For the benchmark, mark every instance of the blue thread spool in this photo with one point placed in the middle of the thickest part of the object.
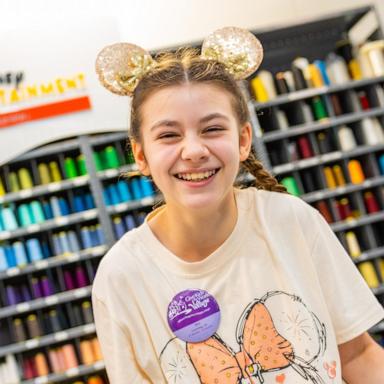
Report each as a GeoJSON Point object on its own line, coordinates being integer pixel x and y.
{"type": "Point", "coordinates": [48, 214]}
{"type": "Point", "coordinates": [78, 203]}
{"type": "Point", "coordinates": [9, 219]}
{"type": "Point", "coordinates": [107, 199]}
{"type": "Point", "coordinates": [34, 249]}
{"type": "Point", "coordinates": [113, 194]}
{"type": "Point", "coordinates": [146, 186]}
{"type": "Point", "coordinates": [25, 294]}
{"type": "Point", "coordinates": [12, 296]}
{"type": "Point", "coordinates": [20, 254]}
{"type": "Point", "coordinates": [3, 259]}
{"type": "Point", "coordinates": [10, 256]}
{"type": "Point", "coordinates": [37, 211]}
{"type": "Point", "coordinates": [2, 227]}
{"type": "Point", "coordinates": [94, 236]}
{"type": "Point", "coordinates": [129, 222]}
{"type": "Point", "coordinates": [86, 237]}
{"type": "Point", "coordinates": [64, 242]}
{"type": "Point", "coordinates": [123, 190]}
{"type": "Point", "coordinates": [119, 227]}
{"type": "Point", "coordinates": [73, 241]}
{"type": "Point", "coordinates": [135, 188]}
{"type": "Point", "coordinates": [55, 206]}
{"type": "Point", "coordinates": [56, 245]}
{"type": "Point", "coordinates": [140, 217]}
{"type": "Point", "coordinates": [320, 64]}
{"type": "Point", "coordinates": [64, 208]}
{"type": "Point", "coordinates": [100, 235]}
{"type": "Point", "coordinates": [88, 200]}
{"type": "Point", "coordinates": [45, 249]}
{"type": "Point", "coordinates": [381, 164]}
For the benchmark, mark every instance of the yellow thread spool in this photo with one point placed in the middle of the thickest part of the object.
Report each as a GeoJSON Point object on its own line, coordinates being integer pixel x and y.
{"type": "Point", "coordinates": [315, 76]}
{"type": "Point", "coordinates": [368, 271]}
{"type": "Point", "coordinates": [353, 244]}
{"type": "Point", "coordinates": [43, 169]}
{"type": "Point", "coordinates": [339, 176]}
{"type": "Point", "coordinates": [14, 182]}
{"type": "Point", "coordinates": [2, 189]}
{"type": "Point", "coordinates": [259, 90]}
{"type": "Point", "coordinates": [355, 172]}
{"type": "Point", "coordinates": [355, 70]}
{"type": "Point", "coordinates": [55, 171]}
{"type": "Point", "coordinates": [25, 178]}
{"type": "Point", "coordinates": [329, 177]}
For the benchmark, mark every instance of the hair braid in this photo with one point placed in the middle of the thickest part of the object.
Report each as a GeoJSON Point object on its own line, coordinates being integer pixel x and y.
{"type": "Point", "coordinates": [263, 179]}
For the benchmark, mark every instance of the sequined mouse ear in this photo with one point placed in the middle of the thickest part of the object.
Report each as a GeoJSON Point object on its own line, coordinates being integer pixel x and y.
{"type": "Point", "coordinates": [121, 66]}
{"type": "Point", "coordinates": [238, 49]}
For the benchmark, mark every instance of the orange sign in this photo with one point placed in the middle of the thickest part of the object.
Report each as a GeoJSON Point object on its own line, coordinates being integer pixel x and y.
{"type": "Point", "coordinates": [44, 111]}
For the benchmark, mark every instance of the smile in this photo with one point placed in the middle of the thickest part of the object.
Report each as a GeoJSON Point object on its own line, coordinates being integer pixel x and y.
{"type": "Point", "coordinates": [198, 176]}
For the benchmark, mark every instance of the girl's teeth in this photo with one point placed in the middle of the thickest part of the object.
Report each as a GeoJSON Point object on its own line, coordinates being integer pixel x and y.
{"type": "Point", "coordinates": [195, 176]}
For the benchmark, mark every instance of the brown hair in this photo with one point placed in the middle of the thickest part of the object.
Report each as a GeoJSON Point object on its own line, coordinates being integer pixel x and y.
{"type": "Point", "coordinates": [186, 66]}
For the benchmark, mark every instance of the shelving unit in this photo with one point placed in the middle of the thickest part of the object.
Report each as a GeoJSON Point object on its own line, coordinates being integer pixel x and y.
{"type": "Point", "coordinates": [278, 146]}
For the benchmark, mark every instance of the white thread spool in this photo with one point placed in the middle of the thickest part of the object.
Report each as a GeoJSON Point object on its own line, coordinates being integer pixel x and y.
{"type": "Point", "coordinates": [378, 130]}
{"type": "Point", "coordinates": [370, 131]}
{"type": "Point", "coordinates": [337, 69]}
{"type": "Point", "coordinates": [346, 138]}
{"type": "Point", "coordinates": [267, 79]}
{"type": "Point", "coordinates": [303, 64]}
{"type": "Point", "coordinates": [282, 120]}
{"type": "Point", "coordinates": [374, 51]}
{"type": "Point", "coordinates": [307, 112]}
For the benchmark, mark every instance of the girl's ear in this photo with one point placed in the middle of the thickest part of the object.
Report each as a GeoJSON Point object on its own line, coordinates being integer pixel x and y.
{"type": "Point", "coordinates": [138, 153]}
{"type": "Point", "coordinates": [245, 141]}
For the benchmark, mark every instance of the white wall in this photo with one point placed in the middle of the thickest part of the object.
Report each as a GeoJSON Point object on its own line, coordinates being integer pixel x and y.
{"type": "Point", "coordinates": [163, 23]}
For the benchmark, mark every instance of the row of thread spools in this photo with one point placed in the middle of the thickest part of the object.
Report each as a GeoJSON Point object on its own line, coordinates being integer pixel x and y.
{"type": "Point", "coordinates": [54, 171]}
{"type": "Point", "coordinates": [345, 64]}
{"type": "Point", "coordinates": [58, 359]}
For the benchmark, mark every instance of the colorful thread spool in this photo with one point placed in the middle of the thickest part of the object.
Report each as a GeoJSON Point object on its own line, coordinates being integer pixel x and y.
{"type": "Point", "coordinates": [291, 185]}
{"type": "Point", "coordinates": [356, 173]}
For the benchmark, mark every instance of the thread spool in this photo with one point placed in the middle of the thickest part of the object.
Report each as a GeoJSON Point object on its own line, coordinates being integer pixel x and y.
{"type": "Point", "coordinates": [41, 364]}
{"type": "Point", "coordinates": [118, 227]}
{"type": "Point", "coordinates": [18, 330]}
{"type": "Point", "coordinates": [86, 237]}
{"type": "Point", "coordinates": [259, 91]}
{"type": "Point", "coordinates": [302, 63]}
{"type": "Point", "coordinates": [298, 78]}
{"type": "Point", "coordinates": [25, 295]}
{"type": "Point", "coordinates": [346, 208]}
{"type": "Point", "coordinates": [113, 194]}
{"type": "Point", "coordinates": [3, 259]}
{"type": "Point", "coordinates": [10, 256]}
{"type": "Point", "coordinates": [146, 186]}
{"type": "Point", "coordinates": [87, 312]}
{"type": "Point", "coordinates": [25, 178]}
{"type": "Point", "coordinates": [335, 101]}
{"type": "Point", "coordinates": [97, 161]}
{"type": "Point", "coordinates": [315, 76]}
{"type": "Point", "coordinates": [329, 177]}
{"type": "Point", "coordinates": [69, 281]}
{"type": "Point", "coordinates": [129, 222]}
{"type": "Point", "coordinates": [13, 297]}
{"type": "Point", "coordinates": [319, 109]}
{"type": "Point", "coordinates": [86, 352]}
{"type": "Point", "coordinates": [323, 209]}
{"type": "Point", "coordinates": [291, 185]}
{"type": "Point", "coordinates": [367, 269]}
{"type": "Point", "coordinates": [54, 321]}
{"type": "Point", "coordinates": [344, 49]}
{"type": "Point", "coordinates": [96, 349]}
{"type": "Point", "coordinates": [381, 164]}
{"type": "Point", "coordinates": [346, 138]}
{"type": "Point", "coordinates": [78, 203]}
{"type": "Point", "coordinates": [74, 245]}
{"type": "Point", "coordinates": [267, 79]}
{"type": "Point", "coordinates": [69, 356]}
{"type": "Point", "coordinates": [339, 176]}
{"type": "Point", "coordinates": [55, 207]}
{"type": "Point", "coordinates": [14, 185]}
{"type": "Point", "coordinates": [33, 326]}
{"type": "Point", "coordinates": [24, 215]}
{"type": "Point", "coordinates": [356, 173]}
{"type": "Point", "coordinates": [323, 142]}
{"type": "Point", "coordinates": [288, 76]}
{"type": "Point", "coordinates": [46, 286]}
{"type": "Point", "coordinates": [373, 50]}
{"type": "Point", "coordinates": [81, 278]}
{"type": "Point", "coordinates": [54, 361]}
{"type": "Point", "coordinates": [305, 147]}
{"type": "Point", "coordinates": [81, 165]}
{"type": "Point", "coordinates": [70, 168]}
{"type": "Point", "coordinates": [2, 189]}
{"type": "Point", "coordinates": [45, 177]}
{"type": "Point", "coordinates": [281, 83]}
{"type": "Point", "coordinates": [282, 120]}
{"type": "Point", "coordinates": [337, 69]}
{"type": "Point", "coordinates": [353, 245]}
{"type": "Point", "coordinates": [20, 254]}
{"type": "Point", "coordinates": [88, 200]}
{"type": "Point", "coordinates": [95, 380]}
{"type": "Point", "coordinates": [48, 214]}
{"type": "Point", "coordinates": [371, 203]}
{"type": "Point", "coordinates": [55, 171]}
{"type": "Point", "coordinates": [135, 188]}
{"type": "Point", "coordinates": [123, 191]}
{"type": "Point", "coordinates": [37, 211]}
{"type": "Point", "coordinates": [370, 132]}
{"type": "Point", "coordinates": [36, 288]}
{"type": "Point", "coordinates": [111, 157]}
{"type": "Point", "coordinates": [64, 242]}
{"type": "Point", "coordinates": [64, 207]}
{"type": "Point", "coordinates": [323, 71]}
{"type": "Point", "coordinates": [100, 235]}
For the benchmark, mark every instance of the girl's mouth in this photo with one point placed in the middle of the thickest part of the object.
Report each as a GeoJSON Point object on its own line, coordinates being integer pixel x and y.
{"type": "Point", "coordinates": [197, 176]}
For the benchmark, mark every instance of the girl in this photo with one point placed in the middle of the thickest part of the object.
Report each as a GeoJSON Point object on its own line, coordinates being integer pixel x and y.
{"type": "Point", "coordinates": [220, 284]}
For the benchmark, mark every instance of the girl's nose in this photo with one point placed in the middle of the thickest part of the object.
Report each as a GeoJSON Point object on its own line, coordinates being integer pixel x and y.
{"type": "Point", "coordinates": [194, 149]}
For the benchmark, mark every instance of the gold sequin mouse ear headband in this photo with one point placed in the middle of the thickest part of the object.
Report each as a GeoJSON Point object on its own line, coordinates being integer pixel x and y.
{"type": "Point", "coordinates": [121, 66]}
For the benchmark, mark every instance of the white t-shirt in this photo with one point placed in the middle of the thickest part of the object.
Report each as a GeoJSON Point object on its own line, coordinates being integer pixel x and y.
{"type": "Point", "coordinates": [287, 290]}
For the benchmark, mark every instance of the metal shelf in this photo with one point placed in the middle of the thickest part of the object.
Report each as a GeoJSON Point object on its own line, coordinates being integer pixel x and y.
{"type": "Point", "coordinates": [81, 370]}
{"type": "Point", "coordinates": [369, 255]}
{"type": "Point", "coordinates": [39, 190]}
{"type": "Point", "coordinates": [58, 222]}
{"type": "Point", "coordinates": [112, 173]}
{"type": "Point", "coordinates": [43, 302]}
{"type": "Point", "coordinates": [353, 223]}
{"type": "Point", "coordinates": [46, 340]}
{"type": "Point", "coordinates": [311, 92]}
{"type": "Point", "coordinates": [131, 205]}
{"type": "Point", "coordinates": [55, 261]}
{"type": "Point", "coordinates": [326, 123]}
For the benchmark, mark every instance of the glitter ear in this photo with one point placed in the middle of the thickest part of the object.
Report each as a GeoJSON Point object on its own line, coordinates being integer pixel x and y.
{"type": "Point", "coordinates": [238, 49]}
{"type": "Point", "coordinates": [121, 66]}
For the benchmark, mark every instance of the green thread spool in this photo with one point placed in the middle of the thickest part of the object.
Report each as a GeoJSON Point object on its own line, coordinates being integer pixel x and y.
{"type": "Point", "coordinates": [24, 215]}
{"type": "Point", "coordinates": [319, 108]}
{"type": "Point", "coordinates": [97, 161]}
{"type": "Point", "coordinates": [70, 168]}
{"type": "Point", "coordinates": [81, 166]}
{"type": "Point", "coordinates": [13, 182]}
{"type": "Point", "coordinates": [111, 157]}
{"type": "Point", "coordinates": [291, 185]}
{"type": "Point", "coordinates": [55, 171]}
{"type": "Point", "coordinates": [43, 169]}
{"type": "Point", "coordinates": [25, 178]}
{"type": "Point", "coordinates": [37, 211]}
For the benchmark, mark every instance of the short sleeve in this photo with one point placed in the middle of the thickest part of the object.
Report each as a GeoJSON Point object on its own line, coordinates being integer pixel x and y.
{"type": "Point", "coordinates": [352, 305]}
{"type": "Point", "coordinates": [116, 347]}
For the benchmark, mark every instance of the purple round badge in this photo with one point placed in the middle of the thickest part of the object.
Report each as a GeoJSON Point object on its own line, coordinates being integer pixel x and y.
{"type": "Point", "coordinates": [193, 315]}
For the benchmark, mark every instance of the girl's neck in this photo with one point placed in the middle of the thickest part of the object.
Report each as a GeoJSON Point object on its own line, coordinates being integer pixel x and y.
{"type": "Point", "coordinates": [193, 236]}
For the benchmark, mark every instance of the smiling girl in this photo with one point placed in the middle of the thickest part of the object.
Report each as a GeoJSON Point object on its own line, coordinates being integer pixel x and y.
{"type": "Point", "coordinates": [220, 284]}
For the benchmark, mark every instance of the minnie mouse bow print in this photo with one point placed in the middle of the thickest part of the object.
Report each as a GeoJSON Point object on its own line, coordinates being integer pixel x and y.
{"type": "Point", "coordinates": [262, 349]}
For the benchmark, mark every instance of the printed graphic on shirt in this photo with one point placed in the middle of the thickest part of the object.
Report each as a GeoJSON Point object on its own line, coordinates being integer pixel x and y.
{"type": "Point", "coordinates": [279, 341]}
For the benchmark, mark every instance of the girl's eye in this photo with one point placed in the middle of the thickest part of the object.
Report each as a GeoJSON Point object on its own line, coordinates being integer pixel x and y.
{"type": "Point", "coordinates": [167, 135]}
{"type": "Point", "coordinates": [214, 129]}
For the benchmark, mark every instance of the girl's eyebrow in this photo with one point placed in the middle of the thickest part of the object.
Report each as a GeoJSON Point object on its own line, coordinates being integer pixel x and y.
{"type": "Point", "coordinates": [173, 123]}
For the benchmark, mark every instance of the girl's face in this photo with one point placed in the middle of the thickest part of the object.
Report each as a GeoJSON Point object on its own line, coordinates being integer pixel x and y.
{"type": "Point", "coordinates": [192, 145]}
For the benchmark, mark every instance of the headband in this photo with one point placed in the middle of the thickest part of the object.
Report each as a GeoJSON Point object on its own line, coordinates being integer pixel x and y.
{"type": "Point", "coordinates": [121, 66]}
